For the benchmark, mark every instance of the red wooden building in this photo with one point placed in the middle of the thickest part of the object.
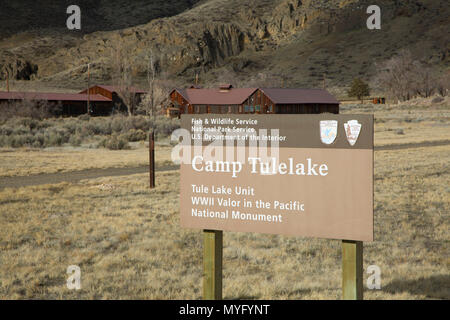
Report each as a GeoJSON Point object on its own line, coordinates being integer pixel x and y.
{"type": "Point", "coordinates": [70, 103]}
{"type": "Point", "coordinates": [102, 100]}
{"type": "Point", "coordinates": [227, 99]}
{"type": "Point", "coordinates": [112, 93]}
{"type": "Point", "coordinates": [109, 91]}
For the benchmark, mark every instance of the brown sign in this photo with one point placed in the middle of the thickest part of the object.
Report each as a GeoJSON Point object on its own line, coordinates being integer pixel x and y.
{"type": "Point", "coordinates": [305, 175]}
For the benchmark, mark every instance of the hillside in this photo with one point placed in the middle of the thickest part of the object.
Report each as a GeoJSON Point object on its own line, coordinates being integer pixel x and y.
{"type": "Point", "coordinates": [297, 43]}
{"type": "Point", "coordinates": [49, 15]}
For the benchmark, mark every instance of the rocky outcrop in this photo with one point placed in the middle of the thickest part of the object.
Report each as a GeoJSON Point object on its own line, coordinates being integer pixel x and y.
{"type": "Point", "coordinates": [218, 33]}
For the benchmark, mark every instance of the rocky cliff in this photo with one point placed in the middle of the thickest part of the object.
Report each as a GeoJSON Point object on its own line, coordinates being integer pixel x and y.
{"type": "Point", "coordinates": [301, 41]}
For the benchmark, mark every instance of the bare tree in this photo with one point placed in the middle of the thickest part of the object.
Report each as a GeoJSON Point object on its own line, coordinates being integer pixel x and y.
{"type": "Point", "coordinates": [150, 101]}
{"type": "Point", "coordinates": [153, 104]}
{"type": "Point", "coordinates": [425, 81]}
{"type": "Point", "coordinates": [122, 75]}
{"type": "Point", "coordinates": [403, 77]}
{"type": "Point", "coordinates": [443, 83]}
{"type": "Point", "coordinates": [395, 75]}
{"type": "Point", "coordinates": [151, 75]}
{"type": "Point", "coordinates": [159, 86]}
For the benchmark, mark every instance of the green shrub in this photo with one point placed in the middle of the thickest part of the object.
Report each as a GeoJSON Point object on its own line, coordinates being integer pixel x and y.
{"type": "Point", "coordinates": [139, 123]}
{"type": "Point", "coordinates": [75, 140]}
{"type": "Point", "coordinates": [39, 140]}
{"type": "Point", "coordinates": [102, 126]}
{"type": "Point", "coordinates": [70, 126]}
{"type": "Point", "coordinates": [117, 124]}
{"type": "Point", "coordinates": [165, 126]}
{"type": "Point", "coordinates": [135, 135]}
{"type": "Point", "coordinates": [92, 128]}
{"type": "Point", "coordinates": [6, 130]}
{"type": "Point", "coordinates": [3, 141]}
{"type": "Point", "coordinates": [358, 89]}
{"type": "Point", "coordinates": [115, 142]}
{"type": "Point", "coordinates": [84, 117]}
{"type": "Point", "coordinates": [36, 144]}
{"type": "Point", "coordinates": [55, 137]}
{"type": "Point", "coordinates": [21, 131]}
{"type": "Point", "coordinates": [52, 139]}
{"type": "Point", "coordinates": [47, 123]}
{"type": "Point", "coordinates": [28, 123]}
{"type": "Point", "coordinates": [17, 141]}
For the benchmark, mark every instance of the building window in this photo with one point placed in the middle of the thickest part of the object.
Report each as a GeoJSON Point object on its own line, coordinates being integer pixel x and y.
{"type": "Point", "coordinates": [249, 109]}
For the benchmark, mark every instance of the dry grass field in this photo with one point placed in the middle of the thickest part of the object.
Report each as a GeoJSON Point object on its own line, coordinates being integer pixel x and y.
{"type": "Point", "coordinates": [128, 243]}
{"type": "Point", "coordinates": [22, 162]}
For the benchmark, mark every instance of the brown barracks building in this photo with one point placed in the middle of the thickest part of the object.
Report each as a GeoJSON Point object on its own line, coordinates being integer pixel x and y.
{"type": "Point", "coordinates": [71, 104]}
{"type": "Point", "coordinates": [103, 100]}
{"type": "Point", "coordinates": [227, 99]}
{"type": "Point", "coordinates": [112, 93]}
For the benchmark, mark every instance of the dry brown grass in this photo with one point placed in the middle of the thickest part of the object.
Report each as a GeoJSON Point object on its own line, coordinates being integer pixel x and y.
{"type": "Point", "coordinates": [128, 242]}
{"type": "Point", "coordinates": [399, 124]}
{"type": "Point", "coordinates": [22, 162]}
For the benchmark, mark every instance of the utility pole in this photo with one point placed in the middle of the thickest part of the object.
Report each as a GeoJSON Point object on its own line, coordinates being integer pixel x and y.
{"type": "Point", "coordinates": [88, 86]}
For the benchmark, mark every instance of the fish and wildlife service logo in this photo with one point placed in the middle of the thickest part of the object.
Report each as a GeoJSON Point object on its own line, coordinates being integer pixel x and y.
{"type": "Point", "coordinates": [352, 130]}
{"type": "Point", "coordinates": [328, 131]}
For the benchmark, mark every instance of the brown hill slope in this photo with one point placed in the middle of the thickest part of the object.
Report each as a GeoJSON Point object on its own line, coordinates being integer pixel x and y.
{"type": "Point", "coordinates": [297, 41]}
{"type": "Point", "coordinates": [50, 15]}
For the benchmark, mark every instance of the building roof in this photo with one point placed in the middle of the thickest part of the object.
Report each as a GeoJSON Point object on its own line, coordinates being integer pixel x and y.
{"type": "Point", "coordinates": [115, 89]}
{"type": "Point", "coordinates": [226, 86]}
{"type": "Point", "coordinates": [220, 96]}
{"type": "Point", "coordinates": [51, 96]}
{"type": "Point", "coordinates": [299, 96]}
{"type": "Point", "coordinates": [216, 96]}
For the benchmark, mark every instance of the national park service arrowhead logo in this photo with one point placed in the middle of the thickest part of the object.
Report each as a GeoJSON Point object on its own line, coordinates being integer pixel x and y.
{"type": "Point", "coordinates": [352, 130]}
{"type": "Point", "coordinates": [328, 131]}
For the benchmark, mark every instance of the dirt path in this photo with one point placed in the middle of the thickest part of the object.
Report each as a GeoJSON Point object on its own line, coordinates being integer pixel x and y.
{"type": "Point", "coordinates": [413, 145]}
{"type": "Point", "coordinates": [75, 176]}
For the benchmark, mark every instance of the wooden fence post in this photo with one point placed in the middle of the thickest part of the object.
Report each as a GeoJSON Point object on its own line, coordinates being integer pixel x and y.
{"type": "Point", "coordinates": [212, 264]}
{"type": "Point", "coordinates": [352, 270]}
{"type": "Point", "coordinates": [151, 148]}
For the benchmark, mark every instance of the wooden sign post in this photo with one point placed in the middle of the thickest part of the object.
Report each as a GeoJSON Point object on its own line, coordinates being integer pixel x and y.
{"type": "Point", "coordinates": [315, 181]}
{"type": "Point", "coordinates": [212, 264]}
{"type": "Point", "coordinates": [352, 270]}
{"type": "Point", "coordinates": [151, 149]}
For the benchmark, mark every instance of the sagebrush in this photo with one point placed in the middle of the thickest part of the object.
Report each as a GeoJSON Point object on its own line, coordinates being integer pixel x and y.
{"type": "Point", "coordinates": [18, 132]}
